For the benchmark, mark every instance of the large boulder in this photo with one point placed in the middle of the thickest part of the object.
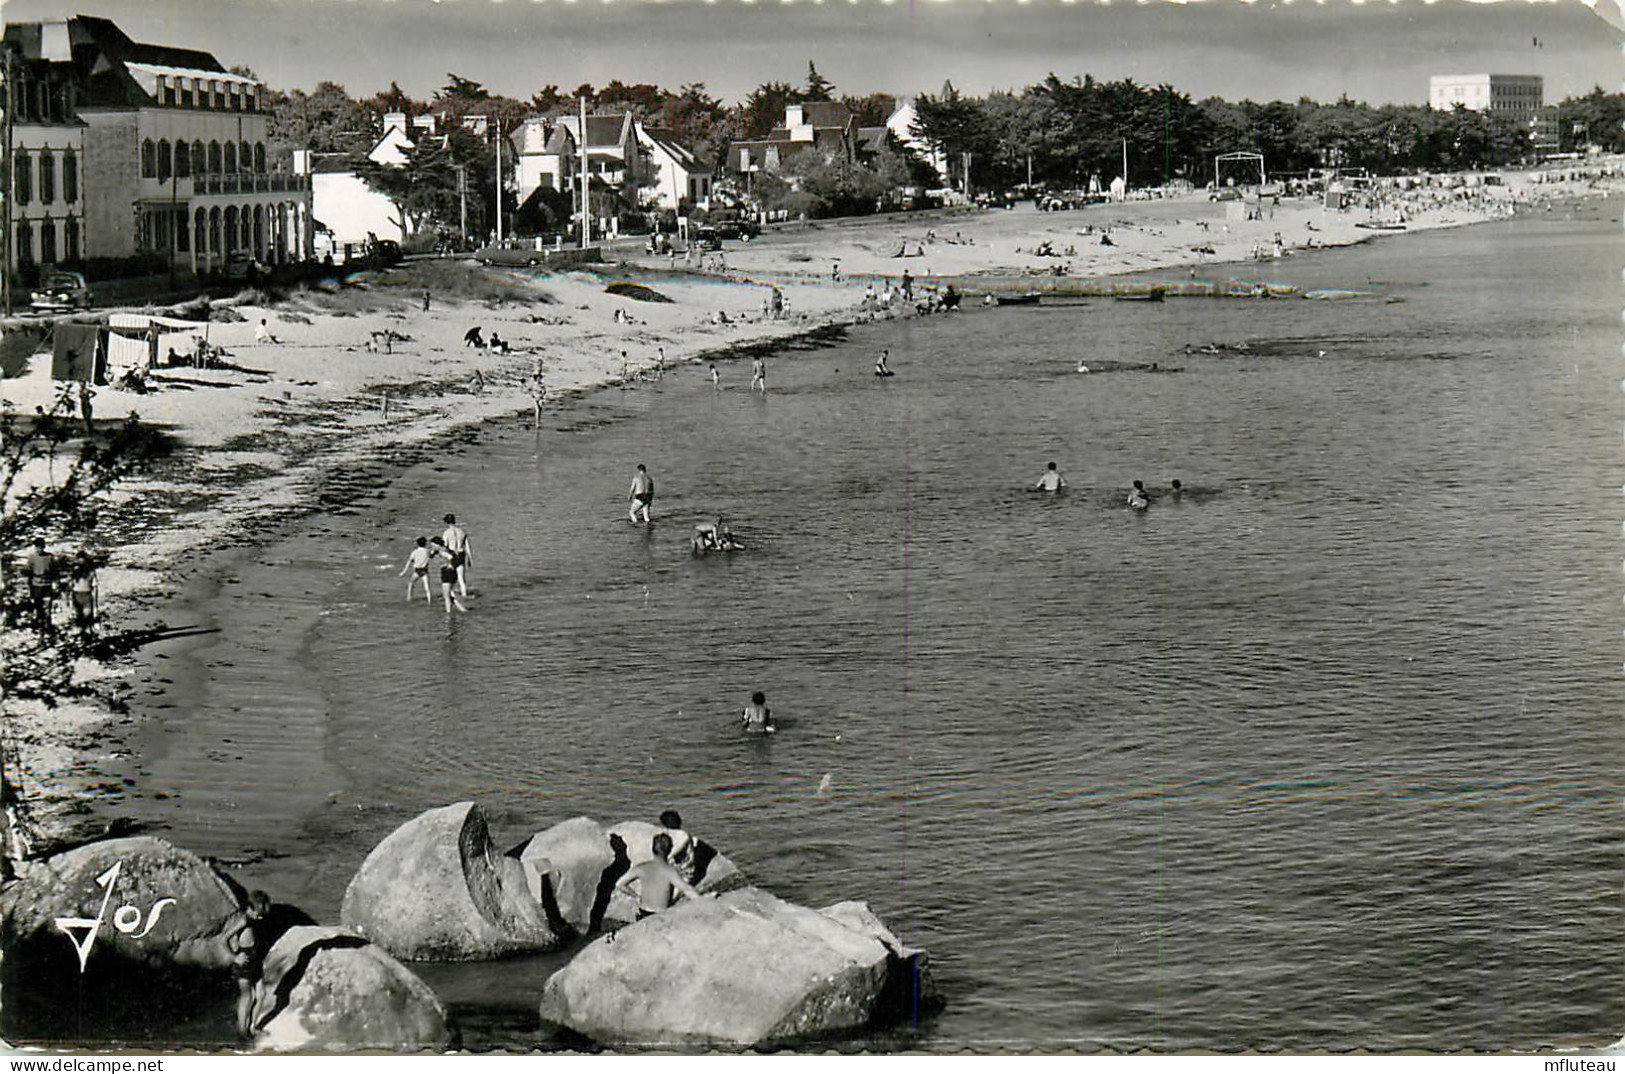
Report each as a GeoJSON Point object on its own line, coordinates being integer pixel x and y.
{"type": "Point", "coordinates": [328, 988]}
{"type": "Point", "coordinates": [572, 867]}
{"type": "Point", "coordinates": [436, 889]}
{"type": "Point", "coordinates": [739, 970]}
{"type": "Point", "coordinates": [161, 931]}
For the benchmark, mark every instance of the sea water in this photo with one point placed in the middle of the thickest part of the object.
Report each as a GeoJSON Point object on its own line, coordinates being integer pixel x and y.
{"type": "Point", "coordinates": [1324, 754]}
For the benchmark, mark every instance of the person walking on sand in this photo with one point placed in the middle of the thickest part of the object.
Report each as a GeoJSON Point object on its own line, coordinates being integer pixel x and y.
{"type": "Point", "coordinates": [1052, 481]}
{"type": "Point", "coordinates": [425, 300]}
{"type": "Point", "coordinates": [641, 495]}
{"type": "Point", "coordinates": [41, 567]}
{"type": "Point", "coordinates": [83, 592]}
{"type": "Point", "coordinates": [656, 880]}
{"type": "Point", "coordinates": [716, 378]}
{"type": "Point", "coordinates": [418, 563]}
{"type": "Point", "coordinates": [460, 551]}
{"type": "Point", "coordinates": [758, 376]}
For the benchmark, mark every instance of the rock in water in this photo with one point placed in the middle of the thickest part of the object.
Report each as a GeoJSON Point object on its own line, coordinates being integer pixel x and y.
{"type": "Point", "coordinates": [571, 866]}
{"type": "Point", "coordinates": [739, 970]}
{"type": "Point", "coordinates": [161, 930]}
{"type": "Point", "coordinates": [437, 890]}
{"type": "Point", "coordinates": [327, 988]}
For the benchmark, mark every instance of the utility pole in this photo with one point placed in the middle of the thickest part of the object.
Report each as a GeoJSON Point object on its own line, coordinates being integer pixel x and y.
{"type": "Point", "coordinates": [174, 177]}
{"type": "Point", "coordinates": [499, 180]}
{"type": "Point", "coordinates": [9, 183]}
{"type": "Point", "coordinates": [586, 208]}
{"type": "Point", "coordinates": [462, 206]}
{"type": "Point", "coordinates": [1125, 168]}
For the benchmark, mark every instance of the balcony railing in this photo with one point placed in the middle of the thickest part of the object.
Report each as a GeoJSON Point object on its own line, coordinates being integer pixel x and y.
{"type": "Point", "coordinates": [251, 183]}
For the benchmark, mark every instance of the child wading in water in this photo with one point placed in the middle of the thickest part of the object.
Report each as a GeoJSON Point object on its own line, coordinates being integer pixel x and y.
{"type": "Point", "coordinates": [418, 563]}
{"type": "Point", "coordinates": [758, 718]}
{"type": "Point", "coordinates": [448, 579]}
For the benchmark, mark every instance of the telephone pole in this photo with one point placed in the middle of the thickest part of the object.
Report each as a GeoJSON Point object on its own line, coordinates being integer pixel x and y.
{"type": "Point", "coordinates": [586, 207]}
{"type": "Point", "coordinates": [9, 182]}
{"type": "Point", "coordinates": [499, 180]}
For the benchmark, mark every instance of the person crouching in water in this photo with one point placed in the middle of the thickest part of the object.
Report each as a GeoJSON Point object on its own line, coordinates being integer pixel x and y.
{"type": "Point", "coordinates": [715, 537]}
{"type": "Point", "coordinates": [656, 880]}
{"type": "Point", "coordinates": [1137, 499]}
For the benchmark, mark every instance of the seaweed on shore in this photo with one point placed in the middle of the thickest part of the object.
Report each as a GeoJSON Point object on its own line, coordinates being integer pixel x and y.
{"type": "Point", "coordinates": [628, 289]}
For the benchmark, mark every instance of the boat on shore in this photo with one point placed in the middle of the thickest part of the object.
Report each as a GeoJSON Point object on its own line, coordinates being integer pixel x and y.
{"type": "Point", "coordinates": [1151, 294]}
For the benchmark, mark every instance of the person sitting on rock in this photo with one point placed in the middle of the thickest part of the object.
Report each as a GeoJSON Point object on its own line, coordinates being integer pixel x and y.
{"type": "Point", "coordinates": [682, 844]}
{"type": "Point", "coordinates": [656, 880]}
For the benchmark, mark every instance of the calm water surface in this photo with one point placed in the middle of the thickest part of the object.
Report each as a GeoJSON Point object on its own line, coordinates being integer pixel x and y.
{"type": "Point", "coordinates": [1326, 756]}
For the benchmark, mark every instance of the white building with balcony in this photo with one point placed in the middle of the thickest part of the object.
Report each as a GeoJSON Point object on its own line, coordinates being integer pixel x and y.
{"type": "Point", "coordinates": [174, 157]}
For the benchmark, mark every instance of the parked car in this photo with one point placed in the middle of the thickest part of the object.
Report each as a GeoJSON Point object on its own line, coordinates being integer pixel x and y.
{"type": "Point", "coordinates": [508, 256]}
{"type": "Point", "coordinates": [241, 266]}
{"type": "Point", "coordinates": [733, 226]}
{"type": "Point", "coordinates": [61, 291]}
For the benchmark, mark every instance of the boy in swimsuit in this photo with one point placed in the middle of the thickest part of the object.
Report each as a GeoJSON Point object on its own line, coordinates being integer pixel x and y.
{"type": "Point", "coordinates": [758, 375]}
{"type": "Point", "coordinates": [455, 540]}
{"type": "Point", "coordinates": [448, 578]}
{"type": "Point", "coordinates": [656, 880]}
{"type": "Point", "coordinates": [1052, 481]}
{"type": "Point", "coordinates": [418, 563]}
{"type": "Point", "coordinates": [682, 845]}
{"type": "Point", "coordinates": [642, 494]}
{"type": "Point", "coordinates": [758, 717]}
{"type": "Point", "coordinates": [84, 592]}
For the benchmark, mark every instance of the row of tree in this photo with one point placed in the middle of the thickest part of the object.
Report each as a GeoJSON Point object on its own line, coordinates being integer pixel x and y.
{"type": "Point", "coordinates": [1056, 132]}
{"type": "Point", "coordinates": [1067, 132]}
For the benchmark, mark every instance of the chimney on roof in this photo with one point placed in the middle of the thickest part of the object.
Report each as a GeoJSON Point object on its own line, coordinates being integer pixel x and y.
{"type": "Point", "coordinates": [54, 43]}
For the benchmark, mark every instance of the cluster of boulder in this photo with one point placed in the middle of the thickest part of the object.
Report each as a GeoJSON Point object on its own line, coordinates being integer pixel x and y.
{"type": "Point", "coordinates": [740, 969]}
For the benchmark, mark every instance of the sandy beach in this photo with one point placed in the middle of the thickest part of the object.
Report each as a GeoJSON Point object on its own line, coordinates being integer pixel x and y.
{"type": "Point", "coordinates": [326, 415]}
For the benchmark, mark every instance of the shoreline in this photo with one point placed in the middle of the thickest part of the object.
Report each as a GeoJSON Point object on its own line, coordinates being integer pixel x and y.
{"type": "Point", "coordinates": [79, 761]}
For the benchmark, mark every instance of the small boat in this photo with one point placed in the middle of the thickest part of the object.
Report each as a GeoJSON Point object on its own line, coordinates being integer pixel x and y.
{"type": "Point", "coordinates": [1373, 225]}
{"type": "Point", "coordinates": [1019, 300]}
{"type": "Point", "coordinates": [1154, 294]}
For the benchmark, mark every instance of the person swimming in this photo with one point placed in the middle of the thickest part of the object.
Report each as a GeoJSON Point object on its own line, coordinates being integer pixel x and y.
{"type": "Point", "coordinates": [1137, 499]}
{"type": "Point", "coordinates": [1176, 490]}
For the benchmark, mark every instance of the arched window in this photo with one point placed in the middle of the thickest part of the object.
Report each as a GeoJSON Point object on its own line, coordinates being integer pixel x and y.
{"type": "Point", "coordinates": [164, 160]}
{"type": "Point", "coordinates": [149, 159]}
{"type": "Point", "coordinates": [259, 157]}
{"type": "Point", "coordinates": [201, 229]}
{"type": "Point", "coordinates": [47, 177]}
{"type": "Point", "coordinates": [70, 180]}
{"type": "Point", "coordinates": [231, 228]}
{"type": "Point", "coordinates": [70, 244]}
{"type": "Point", "coordinates": [214, 158]}
{"type": "Point", "coordinates": [231, 158]}
{"type": "Point", "coordinates": [182, 233]}
{"type": "Point", "coordinates": [183, 160]}
{"type": "Point", "coordinates": [25, 242]}
{"type": "Point", "coordinates": [246, 226]}
{"type": "Point", "coordinates": [47, 242]}
{"type": "Point", "coordinates": [200, 159]}
{"type": "Point", "coordinates": [246, 157]}
{"type": "Point", "coordinates": [25, 178]}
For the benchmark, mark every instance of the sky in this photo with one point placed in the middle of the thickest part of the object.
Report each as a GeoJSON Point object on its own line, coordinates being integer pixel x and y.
{"type": "Point", "coordinates": [1380, 51]}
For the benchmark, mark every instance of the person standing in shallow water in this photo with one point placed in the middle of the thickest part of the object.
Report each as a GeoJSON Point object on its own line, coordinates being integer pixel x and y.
{"type": "Point", "coordinates": [455, 540]}
{"type": "Point", "coordinates": [641, 495]}
{"type": "Point", "coordinates": [1052, 481]}
{"type": "Point", "coordinates": [758, 375]}
{"type": "Point", "coordinates": [758, 717]}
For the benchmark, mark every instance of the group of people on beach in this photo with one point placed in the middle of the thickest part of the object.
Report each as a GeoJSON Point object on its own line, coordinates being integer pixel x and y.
{"type": "Point", "coordinates": [1139, 499]}
{"type": "Point", "coordinates": [48, 579]}
{"type": "Point", "coordinates": [456, 552]}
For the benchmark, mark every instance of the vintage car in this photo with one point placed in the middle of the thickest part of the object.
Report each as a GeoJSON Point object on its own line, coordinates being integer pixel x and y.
{"type": "Point", "coordinates": [61, 291]}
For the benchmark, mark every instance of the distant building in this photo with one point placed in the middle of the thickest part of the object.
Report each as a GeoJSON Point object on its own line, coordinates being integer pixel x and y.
{"type": "Point", "coordinates": [901, 125]}
{"type": "Point", "coordinates": [826, 127]}
{"type": "Point", "coordinates": [679, 175]}
{"type": "Point", "coordinates": [1519, 97]}
{"type": "Point", "coordinates": [48, 149]}
{"type": "Point", "coordinates": [550, 157]}
{"type": "Point", "coordinates": [173, 159]}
